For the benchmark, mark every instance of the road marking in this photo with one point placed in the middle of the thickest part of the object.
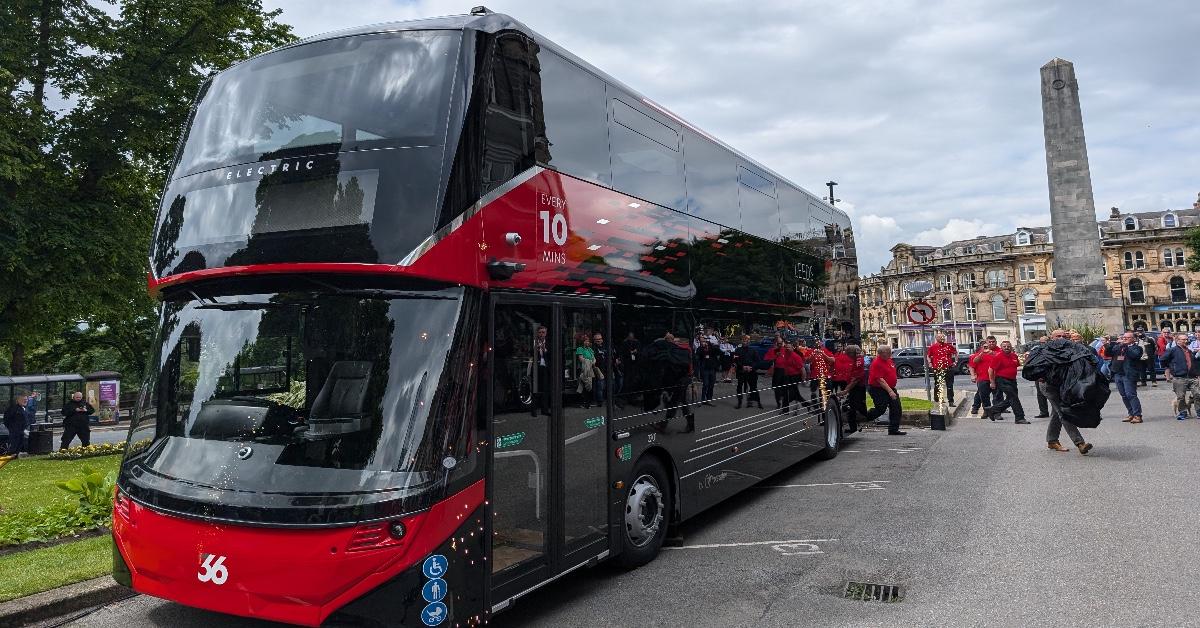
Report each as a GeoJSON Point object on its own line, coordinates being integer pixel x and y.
{"type": "Point", "coordinates": [865, 485]}
{"type": "Point", "coordinates": [904, 450]}
{"type": "Point", "coordinates": [812, 542]}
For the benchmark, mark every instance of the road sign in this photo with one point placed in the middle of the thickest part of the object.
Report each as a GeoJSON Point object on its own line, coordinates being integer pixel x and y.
{"type": "Point", "coordinates": [921, 313]}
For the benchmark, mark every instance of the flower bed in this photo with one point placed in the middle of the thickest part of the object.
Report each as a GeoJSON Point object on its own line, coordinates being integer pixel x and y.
{"type": "Point", "coordinates": [76, 453]}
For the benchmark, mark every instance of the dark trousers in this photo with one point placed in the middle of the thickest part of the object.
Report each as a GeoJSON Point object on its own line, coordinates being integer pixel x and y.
{"type": "Point", "coordinates": [1006, 396]}
{"type": "Point", "coordinates": [541, 398]}
{"type": "Point", "coordinates": [779, 384]}
{"type": "Point", "coordinates": [16, 437]}
{"type": "Point", "coordinates": [76, 426]}
{"type": "Point", "coordinates": [1043, 406]}
{"type": "Point", "coordinates": [948, 377]}
{"type": "Point", "coordinates": [856, 403]}
{"type": "Point", "coordinates": [983, 394]}
{"type": "Point", "coordinates": [747, 383]}
{"type": "Point", "coordinates": [708, 379]}
{"type": "Point", "coordinates": [1148, 371]}
{"type": "Point", "coordinates": [884, 403]}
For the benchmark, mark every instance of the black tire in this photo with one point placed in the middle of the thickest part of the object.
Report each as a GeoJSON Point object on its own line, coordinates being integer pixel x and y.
{"type": "Point", "coordinates": [833, 434]}
{"type": "Point", "coordinates": [904, 370]}
{"type": "Point", "coordinates": [639, 546]}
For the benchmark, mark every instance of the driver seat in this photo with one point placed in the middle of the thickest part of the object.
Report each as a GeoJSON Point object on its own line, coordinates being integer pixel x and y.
{"type": "Point", "coordinates": [338, 408]}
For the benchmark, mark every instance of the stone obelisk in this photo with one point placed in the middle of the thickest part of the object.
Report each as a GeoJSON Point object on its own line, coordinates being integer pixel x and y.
{"type": "Point", "coordinates": [1080, 294]}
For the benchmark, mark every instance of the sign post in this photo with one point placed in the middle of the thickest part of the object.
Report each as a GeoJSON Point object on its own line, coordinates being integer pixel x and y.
{"type": "Point", "coordinates": [922, 313]}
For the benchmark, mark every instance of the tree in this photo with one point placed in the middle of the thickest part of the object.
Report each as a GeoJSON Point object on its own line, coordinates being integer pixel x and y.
{"type": "Point", "coordinates": [79, 187]}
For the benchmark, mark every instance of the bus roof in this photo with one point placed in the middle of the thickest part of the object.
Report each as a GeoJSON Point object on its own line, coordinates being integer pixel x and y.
{"type": "Point", "coordinates": [495, 22]}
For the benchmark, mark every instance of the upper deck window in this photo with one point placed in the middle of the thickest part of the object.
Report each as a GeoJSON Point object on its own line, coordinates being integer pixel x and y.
{"type": "Point", "coordinates": [327, 96]}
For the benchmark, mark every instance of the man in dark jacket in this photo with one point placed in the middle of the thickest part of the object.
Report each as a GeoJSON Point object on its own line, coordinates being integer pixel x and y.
{"type": "Point", "coordinates": [745, 363]}
{"type": "Point", "coordinates": [1125, 359]}
{"type": "Point", "coordinates": [14, 421]}
{"type": "Point", "coordinates": [75, 421]}
{"type": "Point", "coordinates": [1181, 368]}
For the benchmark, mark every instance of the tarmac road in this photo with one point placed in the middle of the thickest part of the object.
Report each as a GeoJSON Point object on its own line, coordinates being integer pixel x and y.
{"type": "Point", "coordinates": [981, 525]}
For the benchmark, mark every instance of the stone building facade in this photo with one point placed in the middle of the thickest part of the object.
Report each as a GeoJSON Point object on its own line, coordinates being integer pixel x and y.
{"type": "Point", "coordinates": [996, 285]}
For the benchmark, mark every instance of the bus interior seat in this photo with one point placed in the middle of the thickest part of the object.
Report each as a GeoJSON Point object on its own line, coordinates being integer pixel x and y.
{"type": "Point", "coordinates": [338, 408]}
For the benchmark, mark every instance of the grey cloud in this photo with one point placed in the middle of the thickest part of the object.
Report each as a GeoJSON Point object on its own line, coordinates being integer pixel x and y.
{"type": "Point", "coordinates": [925, 111]}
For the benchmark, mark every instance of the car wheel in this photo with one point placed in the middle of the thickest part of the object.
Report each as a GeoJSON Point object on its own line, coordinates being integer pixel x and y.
{"type": "Point", "coordinates": [904, 370]}
{"type": "Point", "coordinates": [647, 513]}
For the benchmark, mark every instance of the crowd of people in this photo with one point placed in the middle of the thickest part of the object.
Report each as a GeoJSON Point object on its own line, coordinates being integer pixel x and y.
{"type": "Point", "coordinates": [1128, 360]}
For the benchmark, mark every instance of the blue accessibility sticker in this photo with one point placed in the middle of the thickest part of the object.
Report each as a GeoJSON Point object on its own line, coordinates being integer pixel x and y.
{"type": "Point", "coordinates": [434, 590]}
{"type": "Point", "coordinates": [434, 614]}
{"type": "Point", "coordinates": [435, 566]}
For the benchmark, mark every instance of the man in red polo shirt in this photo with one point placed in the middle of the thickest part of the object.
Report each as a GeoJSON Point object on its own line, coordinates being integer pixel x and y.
{"type": "Point", "coordinates": [848, 376]}
{"type": "Point", "coordinates": [979, 363]}
{"type": "Point", "coordinates": [942, 357]}
{"type": "Point", "coordinates": [1003, 382]}
{"type": "Point", "coordinates": [881, 384]}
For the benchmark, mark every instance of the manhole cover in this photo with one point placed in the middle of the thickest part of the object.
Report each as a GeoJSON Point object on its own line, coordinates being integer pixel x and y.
{"type": "Point", "coordinates": [873, 592]}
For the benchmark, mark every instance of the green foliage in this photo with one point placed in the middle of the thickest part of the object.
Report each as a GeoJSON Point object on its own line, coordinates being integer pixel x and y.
{"type": "Point", "coordinates": [79, 186]}
{"type": "Point", "coordinates": [28, 483]}
{"type": "Point", "coordinates": [34, 571]}
{"type": "Point", "coordinates": [293, 398]}
{"type": "Point", "coordinates": [1193, 244]}
{"type": "Point", "coordinates": [91, 451]}
{"type": "Point", "coordinates": [91, 509]}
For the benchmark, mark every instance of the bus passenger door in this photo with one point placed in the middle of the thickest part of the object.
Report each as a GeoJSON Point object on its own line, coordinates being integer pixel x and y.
{"type": "Point", "coordinates": [548, 483]}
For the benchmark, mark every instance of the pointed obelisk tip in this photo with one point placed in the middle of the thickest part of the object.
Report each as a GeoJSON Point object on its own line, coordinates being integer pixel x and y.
{"type": "Point", "coordinates": [1057, 61]}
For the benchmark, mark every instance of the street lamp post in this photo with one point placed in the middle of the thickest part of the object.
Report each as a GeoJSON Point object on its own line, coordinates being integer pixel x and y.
{"type": "Point", "coordinates": [830, 198]}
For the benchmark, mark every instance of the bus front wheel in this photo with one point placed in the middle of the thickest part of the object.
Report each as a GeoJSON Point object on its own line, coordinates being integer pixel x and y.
{"type": "Point", "coordinates": [647, 513]}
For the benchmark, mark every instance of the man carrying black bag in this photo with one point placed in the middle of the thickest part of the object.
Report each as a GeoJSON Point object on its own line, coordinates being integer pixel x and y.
{"type": "Point", "coordinates": [1072, 383]}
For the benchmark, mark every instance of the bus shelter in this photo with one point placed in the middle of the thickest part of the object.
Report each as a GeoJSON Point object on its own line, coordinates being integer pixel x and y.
{"type": "Point", "coordinates": [53, 391]}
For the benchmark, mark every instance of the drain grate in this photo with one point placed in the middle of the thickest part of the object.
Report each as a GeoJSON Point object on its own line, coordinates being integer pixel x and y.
{"type": "Point", "coordinates": [872, 592]}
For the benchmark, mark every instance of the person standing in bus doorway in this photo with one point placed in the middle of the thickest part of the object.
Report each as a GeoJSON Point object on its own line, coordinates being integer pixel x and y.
{"type": "Point", "coordinates": [14, 421]}
{"type": "Point", "coordinates": [708, 362]}
{"type": "Point", "coordinates": [745, 363]}
{"type": "Point", "coordinates": [942, 357]}
{"type": "Point", "coordinates": [1003, 377]}
{"type": "Point", "coordinates": [586, 361]}
{"type": "Point", "coordinates": [1124, 360]}
{"type": "Point", "coordinates": [848, 376]}
{"type": "Point", "coordinates": [541, 358]}
{"type": "Point", "coordinates": [881, 384]}
{"type": "Point", "coordinates": [75, 420]}
{"type": "Point", "coordinates": [601, 381]}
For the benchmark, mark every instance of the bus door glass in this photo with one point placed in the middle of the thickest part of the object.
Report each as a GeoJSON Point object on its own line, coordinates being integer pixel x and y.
{"type": "Point", "coordinates": [549, 481]}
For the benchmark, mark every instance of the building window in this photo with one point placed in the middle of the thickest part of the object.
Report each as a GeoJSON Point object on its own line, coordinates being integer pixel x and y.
{"type": "Point", "coordinates": [1178, 290]}
{"type": "Point", "coordinates": [1029, 302]}
{"type": "Point", "coordinates": [970, 250]}
{"type": "Point", "coordinates": [1022, 238]}
{"type": "Point", "coordinates": [1169, 221]}
{"type": "Point", "coordinates": [944, 282]}
{"type": "Point", "coordinates": [997, 279]}
{"type": "Point", "coordinates": [1104, 268]}
{"type": "Point", "coordinates": [997, 308]}
{"type": "Point", "coordinates": [1165, 326]}
{"type": "Point", "coordinates": [892, 315]}
{"type": "Point", "coordinates": [1027, 272]}
{"type": "Point", "coordinates": [1130, 223]}
{"type": "Point", "coordinates": [892, 292]}
{"type": "Point", "coordinates": [970, 309]}
{"type": "Point", "coordinates": [1128, 257]}
{"type": "Point", "coordinates": [1179, 257]}
{"type": "Point", "coordinates": [968, 280]}
{"type": "Point", "coordinates": [947, 310]}
{"type": "Point", "coordinates": [1168, 259]}
{"type": "Point", "coordinates": [1139, 260]}
{"type": "Point", "coordinates": [1137, 294]}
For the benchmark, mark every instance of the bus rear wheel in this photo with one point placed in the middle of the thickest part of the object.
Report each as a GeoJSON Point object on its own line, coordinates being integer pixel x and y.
{"type": "Point", "coordinates": [647, 513]}
{"type": "Point", "coordinates": [833, 434]}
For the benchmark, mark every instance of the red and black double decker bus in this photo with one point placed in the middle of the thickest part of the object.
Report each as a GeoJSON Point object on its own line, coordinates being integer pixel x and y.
{"type": "Point", "coordinates": [431, 294]}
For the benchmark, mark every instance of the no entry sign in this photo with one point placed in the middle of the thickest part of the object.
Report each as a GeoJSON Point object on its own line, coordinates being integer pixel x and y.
{"type": "Point", "coordinates": [921, 313]}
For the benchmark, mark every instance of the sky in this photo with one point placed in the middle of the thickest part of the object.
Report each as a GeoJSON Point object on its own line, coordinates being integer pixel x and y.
{"type": "Point", "coordinates": [927, 113]}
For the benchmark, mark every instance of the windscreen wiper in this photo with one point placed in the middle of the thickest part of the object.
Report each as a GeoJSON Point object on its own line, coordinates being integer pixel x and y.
{"type": "Point", "coordinates": [232, 306]}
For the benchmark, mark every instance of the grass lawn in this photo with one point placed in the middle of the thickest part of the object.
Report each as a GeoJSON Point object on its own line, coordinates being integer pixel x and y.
{"type": "Point", "coordinates": [28, 483]}
{"type": "Point", "coordinates": [26, 573]}
{"type": "Point", "coordinates": [907, 403]}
